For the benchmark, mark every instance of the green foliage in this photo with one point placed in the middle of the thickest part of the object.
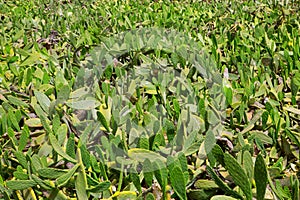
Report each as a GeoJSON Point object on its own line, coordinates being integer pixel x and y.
{"type": "Point", "coordinates": [260, 176]}
{"type": "Point", "coordinates": [224, 127]}
{"type": "Point", "coordinates": [238, 175]}
{"type": "Point", "coordinates": [178, 182]}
